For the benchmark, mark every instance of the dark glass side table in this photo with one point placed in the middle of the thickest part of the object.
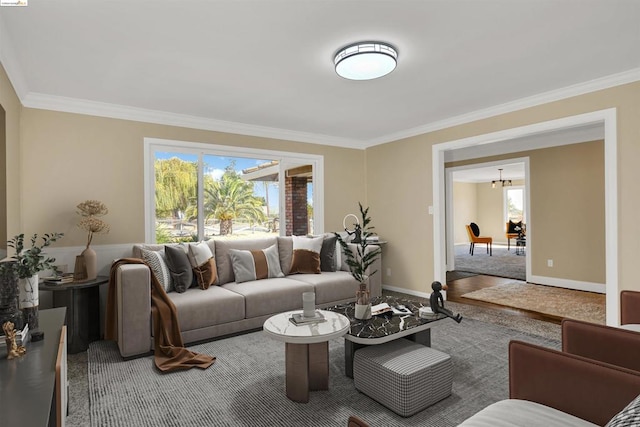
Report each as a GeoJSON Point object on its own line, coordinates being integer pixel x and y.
{"type": "Point", "coordinates": [521, 244]}
{"type": "Point", "coordinates": [82, 300]}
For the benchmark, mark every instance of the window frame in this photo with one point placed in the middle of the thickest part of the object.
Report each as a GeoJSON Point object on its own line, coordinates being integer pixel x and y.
{"type": "Point", "coordinates": [505, 203]}
{"type": "Point", "coordinates": [153, 145]}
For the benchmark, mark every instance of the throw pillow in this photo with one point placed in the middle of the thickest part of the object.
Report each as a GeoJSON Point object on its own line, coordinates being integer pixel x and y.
{"type": "Point", "coordinates": [203, 264]}
{"type": "Point", "coordinates": [158, 264]}
{"type": "Point", "coordinates": [206, 274]}
{"type": "Point", "coordinates": [179, 267]}
{"type": "Point", "coordinates": [306, 254]}
{"type": "Point", "coordinates": [199, 253]}
{"type": "Point", "coordinates": [255, 265]}
{"type": "Point", "coordinates": [629, 416]}
{"type": "Point", "coordinates": [513, 225]}
{"type": "Point", "coordinates": [328, 253]}
{"type": "Point", "coordinates": [475, 229]}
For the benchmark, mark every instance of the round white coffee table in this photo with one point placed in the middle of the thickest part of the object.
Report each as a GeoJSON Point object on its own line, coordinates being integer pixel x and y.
{"type": "Point", "coordinates": [306, 350]}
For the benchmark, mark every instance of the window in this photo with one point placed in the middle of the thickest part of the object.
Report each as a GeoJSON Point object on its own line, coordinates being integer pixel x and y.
{"type": "Point", "coordinates": [514, 204]}
{"type": "Point", "coordinates": [198, 191]}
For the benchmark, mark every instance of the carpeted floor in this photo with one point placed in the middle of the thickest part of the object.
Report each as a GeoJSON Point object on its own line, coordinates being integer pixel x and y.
{"type": "Point", "coordinates": [587, 306]}
{"type": "Point", "coordinates": [502, 263]}
{"type": "Point", "coordinates": [246, 384]}
{"type": "Point", "coordinates": [79, 406]}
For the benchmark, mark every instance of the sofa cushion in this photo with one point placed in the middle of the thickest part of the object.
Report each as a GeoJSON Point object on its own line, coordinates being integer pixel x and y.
{"type": "Point", "coordinates": [331, 286]}
{"type": "Point", "coordinates": [223, 260]}
{"type": "Point", "coordinates": [515, 413]}
{"type": "Point", "coordinates": [255, 265]}
{"type": "Point", "coordinates": [202, 308]}
{"type": "Point", "coordinates": [306, 254]}
{"type": "Point", "coordinates": [270, 296]}
{"type": "Point", "coordinates": [158, 264]}
{"type": "Point", "coordinates": [179, 267]}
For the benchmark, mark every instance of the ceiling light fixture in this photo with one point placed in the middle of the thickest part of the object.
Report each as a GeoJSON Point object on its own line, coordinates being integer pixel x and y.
{"type": "Point", "coordinates": [504, 182]}
{"type": "Point", "coordinates": [365, 60]}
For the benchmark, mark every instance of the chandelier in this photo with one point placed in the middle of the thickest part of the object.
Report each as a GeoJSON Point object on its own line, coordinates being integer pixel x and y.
{"type": "Point", "coordinates": [504, 182]}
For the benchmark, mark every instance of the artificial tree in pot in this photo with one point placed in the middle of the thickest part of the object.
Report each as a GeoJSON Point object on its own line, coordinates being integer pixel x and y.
{"type": "Point", "coordinates": [360, 262]}
{"type": "Point", "coordinates": [27, 263]}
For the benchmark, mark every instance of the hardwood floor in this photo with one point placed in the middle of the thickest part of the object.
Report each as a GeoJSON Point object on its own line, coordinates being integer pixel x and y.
{"type": "Point", "coordinates": [459, 287]}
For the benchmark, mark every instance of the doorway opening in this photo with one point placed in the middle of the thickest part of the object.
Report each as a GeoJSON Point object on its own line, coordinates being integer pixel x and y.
{"type": "Point", "coordinates": [550, 134]}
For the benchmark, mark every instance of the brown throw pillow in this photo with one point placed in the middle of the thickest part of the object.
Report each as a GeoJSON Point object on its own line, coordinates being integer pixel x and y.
{"type": "Point", "coordinates": [306, 255]}
{"type": "Point", "coordinates": [206, 274]}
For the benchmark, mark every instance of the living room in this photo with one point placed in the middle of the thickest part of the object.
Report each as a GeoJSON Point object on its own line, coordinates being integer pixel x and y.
{"type": "Point", "coordinates": [69, 140]}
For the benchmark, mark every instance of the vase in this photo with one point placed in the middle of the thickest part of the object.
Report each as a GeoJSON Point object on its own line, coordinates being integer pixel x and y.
{"type": "Point", "coordinates": [9, 309]}
{"type": "Point", "coordinates": [90, 262]}
{"type": "Point", "coordinates": [363, 303]}
{"type": "Point", "coordinates": [28, 298]}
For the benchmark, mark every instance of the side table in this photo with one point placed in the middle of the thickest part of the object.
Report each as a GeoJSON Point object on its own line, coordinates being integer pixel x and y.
{"type": "Point", "coordinates": [82, 300]}
{"type": "Point", "coordinates": [306, 350]}
{"type": "Point", "coordinates": [521, 243]}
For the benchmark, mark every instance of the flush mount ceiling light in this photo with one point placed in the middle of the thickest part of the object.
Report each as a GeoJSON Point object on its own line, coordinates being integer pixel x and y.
{"type": "Point", "coordinates": [365, 60]}
{"type": "Point", "coordinates": [504, 182]}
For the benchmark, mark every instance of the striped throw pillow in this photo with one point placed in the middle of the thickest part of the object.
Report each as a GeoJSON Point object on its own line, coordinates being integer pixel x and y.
{"type": "Point", "coordinates": [255, 265]}
{"type": "Point", "coordinates": [159, 268]}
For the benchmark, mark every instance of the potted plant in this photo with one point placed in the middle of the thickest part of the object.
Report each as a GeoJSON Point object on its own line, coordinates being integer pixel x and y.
{"type": "Point", "coordinates": [27, 263]}
{"type": "Point", "coordinates": [360, 261]}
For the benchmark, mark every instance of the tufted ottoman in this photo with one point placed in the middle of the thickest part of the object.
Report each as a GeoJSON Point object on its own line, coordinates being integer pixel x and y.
{"type": "Point", "coordinates": [404, 376]}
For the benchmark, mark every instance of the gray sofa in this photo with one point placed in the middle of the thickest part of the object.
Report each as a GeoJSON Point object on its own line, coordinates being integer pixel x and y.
{"type": "Point", "coordinates": [227, 307]}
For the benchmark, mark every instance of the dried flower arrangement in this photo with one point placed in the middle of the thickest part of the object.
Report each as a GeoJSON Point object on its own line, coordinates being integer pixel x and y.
{"type": "Point", "coordinates": [90, 210]}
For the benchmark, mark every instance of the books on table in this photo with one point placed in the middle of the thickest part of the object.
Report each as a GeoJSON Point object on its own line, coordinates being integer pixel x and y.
{"type": "Point", "coordinates": [299, 319]}
{"type": "Point", "coordinates": [58, 280]}
{"type": "Point", "coordinates": [382, 308]}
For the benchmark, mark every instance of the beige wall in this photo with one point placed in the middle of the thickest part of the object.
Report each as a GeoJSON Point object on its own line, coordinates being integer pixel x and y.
{"type": "Point", "coordinates": [486, 210]}
{"type": "Point", "coordinates": [402, 215]}
{"type": "Point", "coordinates": [567, 192]}
{"type": "Point", "coordinates": [64, 158]}
{"type": "Point", "coordinates": [465, 208]}
{"type": "Point", "coordinates": [70, 157]}
{"type": "Point", "coordinates": [11, 223]}
{"type": "Point", "coordinates": [567, 221]}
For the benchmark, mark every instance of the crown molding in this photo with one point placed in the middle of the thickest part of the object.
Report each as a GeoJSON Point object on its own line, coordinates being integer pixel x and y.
{"type": "Point", "coordinates": [101, 109]}
{"type": "Point", "coordinates": [606, 82]}
{"type": "Point", "coordinates": [10, 64]}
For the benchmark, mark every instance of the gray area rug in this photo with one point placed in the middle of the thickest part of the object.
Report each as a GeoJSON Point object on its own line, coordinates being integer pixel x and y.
{"type": "Point", "coordinates": [246, 384]}
{"type": "Point", "coordinates": [502, 263]}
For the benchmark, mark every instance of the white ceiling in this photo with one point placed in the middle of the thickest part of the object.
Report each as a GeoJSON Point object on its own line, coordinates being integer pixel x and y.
{"type": "Point", "coordinates": [264, 67]}
{"type": "Point", "coordinates": [511, 171]}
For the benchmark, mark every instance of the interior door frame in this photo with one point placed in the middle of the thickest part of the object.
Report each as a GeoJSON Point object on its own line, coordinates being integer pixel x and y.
{"type": "Point", "coordinates": [450, 260]}
{"type": "Point", "coordinates": [606, 118]}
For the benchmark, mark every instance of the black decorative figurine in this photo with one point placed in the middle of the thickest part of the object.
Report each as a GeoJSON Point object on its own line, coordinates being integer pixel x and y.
{"type": "Point", "coordinates": [357, 232]}
{"type": "Point", "coordinates": [437, 302]}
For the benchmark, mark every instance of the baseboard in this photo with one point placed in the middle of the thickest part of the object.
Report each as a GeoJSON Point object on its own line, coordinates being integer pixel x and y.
{"type": "Point", "coordinates": [568, 284]}
{"type": "Point", "coordinates": [407, 291]}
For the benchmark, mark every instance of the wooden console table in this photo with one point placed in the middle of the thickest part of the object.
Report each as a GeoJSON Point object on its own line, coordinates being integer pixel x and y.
{"type": "Point", "coordinates": [32, 393]}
